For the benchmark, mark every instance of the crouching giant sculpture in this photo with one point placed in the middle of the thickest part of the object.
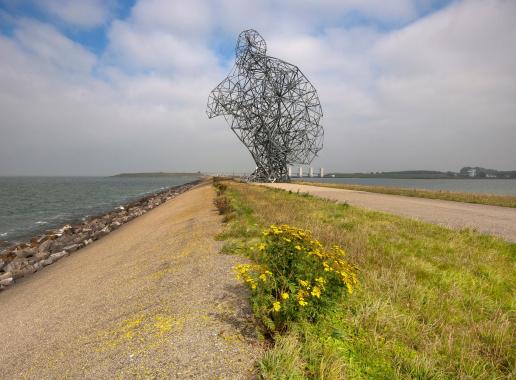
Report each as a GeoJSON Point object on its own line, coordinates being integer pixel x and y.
{"type": "Point", "coordinates": [272, 108]}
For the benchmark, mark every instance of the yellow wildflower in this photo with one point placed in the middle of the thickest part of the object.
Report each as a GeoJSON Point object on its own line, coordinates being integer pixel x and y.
{"type": "Point", "coordinates": [298, 247]}
{"type": "Point", "coordinates": [263, 277]}
{"type": "Point", "coordinates": [304, 283]}
{"type": "Point", "coordinates": [301, 298]}
{"type": "Point", "coordinates": [316, 252]}
{"type": "Point", "coordinates": [276, 306]}
{"type": "Point", "coordinates": [262, 246]}
{"type": "Point", "coordinates": [316, 292]}
{"type": "Point", "coordinates": [327, 268]}
{"type": "Point", "coordinates": [284, 296]}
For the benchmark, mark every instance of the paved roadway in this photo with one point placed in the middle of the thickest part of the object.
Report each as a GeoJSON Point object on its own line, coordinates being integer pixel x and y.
{"type": "Point", "coordinates": [495, 220]}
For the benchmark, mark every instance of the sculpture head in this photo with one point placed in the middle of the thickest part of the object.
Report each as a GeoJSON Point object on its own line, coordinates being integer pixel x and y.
{"type": "Point", "coordinates": [250, 42]}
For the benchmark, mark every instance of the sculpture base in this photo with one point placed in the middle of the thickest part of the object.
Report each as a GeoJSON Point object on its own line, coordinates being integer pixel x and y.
{"type": "Point", "coordinates": [260, 175]}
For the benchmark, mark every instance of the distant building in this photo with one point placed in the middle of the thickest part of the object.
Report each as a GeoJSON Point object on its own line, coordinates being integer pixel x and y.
{"type": "Point", "coordinates": [311, 172]}
{"type": "Point", "coordinates": [321, 173]}
{"type": "Point", "coordinates": [472, 172]}
{"type": "Point", "coordinates": [300, 172]}
{"type": "Point", "coordinates": [290, 171]}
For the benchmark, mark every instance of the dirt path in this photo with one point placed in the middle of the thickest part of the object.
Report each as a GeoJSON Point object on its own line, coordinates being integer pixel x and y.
{"type": "Point", "coordinates": [495, 220]}
{"type": "Point", "coordinates": [153, 299]}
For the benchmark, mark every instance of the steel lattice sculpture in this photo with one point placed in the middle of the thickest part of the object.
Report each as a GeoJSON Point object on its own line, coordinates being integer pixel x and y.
{"type": "Point", "coordinates": [272, 108]}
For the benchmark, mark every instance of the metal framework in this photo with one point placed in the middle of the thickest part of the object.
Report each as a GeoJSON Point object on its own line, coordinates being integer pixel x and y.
{"type": "Point", "coordinates": [271, 107]}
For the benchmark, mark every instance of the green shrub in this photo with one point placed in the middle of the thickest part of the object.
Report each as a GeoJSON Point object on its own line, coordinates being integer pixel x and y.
{"type": "Point", "coordinates": [223, 204]}
{"type": "Point", "coordinates": [221, 188]}
{"type": "Point", "coordinates": [294, 277]}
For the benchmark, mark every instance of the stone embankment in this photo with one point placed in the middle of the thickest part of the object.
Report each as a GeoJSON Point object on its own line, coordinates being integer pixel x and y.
{"type": "Point", "coordinates": [28, 257]}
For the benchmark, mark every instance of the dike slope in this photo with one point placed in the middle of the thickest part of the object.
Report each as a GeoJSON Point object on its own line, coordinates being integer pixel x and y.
{"type": "Point", "coordinates": [154, 299]}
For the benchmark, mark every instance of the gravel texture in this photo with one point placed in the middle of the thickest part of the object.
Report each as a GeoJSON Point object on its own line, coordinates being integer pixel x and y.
{"type": "Point", "coordinates": [153, 299]}
{"type": "Point", "coordinates": [500, 221]}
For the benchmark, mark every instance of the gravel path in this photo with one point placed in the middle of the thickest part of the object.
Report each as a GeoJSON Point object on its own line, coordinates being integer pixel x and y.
{"type": "Point", "coordinates": [153, 299]}
{"type": "Point", "coordinates": [495, 220]}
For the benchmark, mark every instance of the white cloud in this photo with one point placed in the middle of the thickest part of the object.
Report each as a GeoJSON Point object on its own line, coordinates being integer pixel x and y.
{"type": "Point", "coordinates": [156, 50]}
{"type": "Point", "coordinates": [52, 47]}
{"type": "Point", "coordinates": [57, 123]}
{"type": "Point", "coordinates": [306, 16]}
{"type": "Point", "coordinates": [437, 93]}
{"type": "Point", "coordinates": [184, 17]}
{"type": "Point", "coordinates": [449, 80]}
{"type": "Point", "coordinates": [81, 13]}
{"type": "Point", "coordinates": [393, 10]}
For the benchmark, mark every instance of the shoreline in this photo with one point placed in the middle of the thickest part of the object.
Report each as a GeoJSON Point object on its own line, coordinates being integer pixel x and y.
{"type": "Point", "coordinates": [25, 258]}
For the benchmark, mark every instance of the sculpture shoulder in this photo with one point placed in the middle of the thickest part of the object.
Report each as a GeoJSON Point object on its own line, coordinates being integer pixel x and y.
{"type": "Point", "coordinates": [278, 64]}
{"type": "Point", "coordinates": [229, 81]}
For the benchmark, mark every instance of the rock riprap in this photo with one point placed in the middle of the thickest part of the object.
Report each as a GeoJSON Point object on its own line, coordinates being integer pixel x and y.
{"type": "Point", "coordinates": [25, 258]}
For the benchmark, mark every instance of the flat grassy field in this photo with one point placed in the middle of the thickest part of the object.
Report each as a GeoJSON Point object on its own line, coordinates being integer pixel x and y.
{"type": "Point", "coordinates": [484, 199]}
{"type": "Point", "coordinates": [432, 303]}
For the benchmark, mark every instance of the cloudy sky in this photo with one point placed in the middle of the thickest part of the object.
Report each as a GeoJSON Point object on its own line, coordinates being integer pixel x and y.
{"type": "Point", "coordinates": [96, 87]}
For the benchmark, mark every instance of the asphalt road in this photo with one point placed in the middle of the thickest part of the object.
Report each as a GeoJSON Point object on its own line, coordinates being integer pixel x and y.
{"type": "Point", "coordinates": [500, 221]}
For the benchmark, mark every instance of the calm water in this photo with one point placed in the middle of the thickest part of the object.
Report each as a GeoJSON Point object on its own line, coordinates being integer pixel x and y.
{"type": "Point", "coordinates": [490, 186]}
{"type": "Point", "coordinates": [31, 205]}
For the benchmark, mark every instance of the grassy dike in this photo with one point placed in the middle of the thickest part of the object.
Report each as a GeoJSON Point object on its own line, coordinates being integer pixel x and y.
{"type": "Point", "coordinates": [432, 303]}
{"type": "Point", "coordinates": [478, 198]}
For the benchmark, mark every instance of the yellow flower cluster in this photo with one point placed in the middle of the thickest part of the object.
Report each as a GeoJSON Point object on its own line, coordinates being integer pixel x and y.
{"type": "Point", "coordinates": [301, 294]}
{"type": "Point", "coordinates": [286, 230]}
{"type": "Point", "coordinates": [304, 270]}
{"type": "Point", "coordinates": [332, 260]}
{"type": "Point", "coordinates": [251, 273]}
{"type": "Point", "coordinates": [313, 290]}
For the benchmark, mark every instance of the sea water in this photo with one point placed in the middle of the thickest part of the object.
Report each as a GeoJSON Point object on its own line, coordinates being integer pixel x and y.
{"type": "Point", "coordinates": [32, 205]}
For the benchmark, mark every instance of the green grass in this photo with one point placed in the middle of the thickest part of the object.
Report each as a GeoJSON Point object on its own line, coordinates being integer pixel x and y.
{"type": "Point", "coordinates": [433, 303]}
{"type": "Point", "coordinates": [479, 198]}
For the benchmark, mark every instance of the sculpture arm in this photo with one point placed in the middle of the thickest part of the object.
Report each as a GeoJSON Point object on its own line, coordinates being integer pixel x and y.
{"type": "Point", "coordinates": [221, 100]}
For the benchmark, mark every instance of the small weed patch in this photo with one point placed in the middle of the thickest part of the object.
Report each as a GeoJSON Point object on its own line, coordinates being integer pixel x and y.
{"type": "Point", "coordinates": [221, 201]}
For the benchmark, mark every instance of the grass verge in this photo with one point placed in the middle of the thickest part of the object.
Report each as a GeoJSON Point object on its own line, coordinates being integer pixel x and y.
{"type": "Point", "coordinates": [433, 303]}
{"type": "Point", "coordinates": [478, 198]}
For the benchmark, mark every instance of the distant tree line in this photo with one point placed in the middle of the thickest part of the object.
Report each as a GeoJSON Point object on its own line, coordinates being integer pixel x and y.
{"type": "Point", "coordinates": [478, 172]}
{"type": "Point", "coordinates": [465, 172]}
